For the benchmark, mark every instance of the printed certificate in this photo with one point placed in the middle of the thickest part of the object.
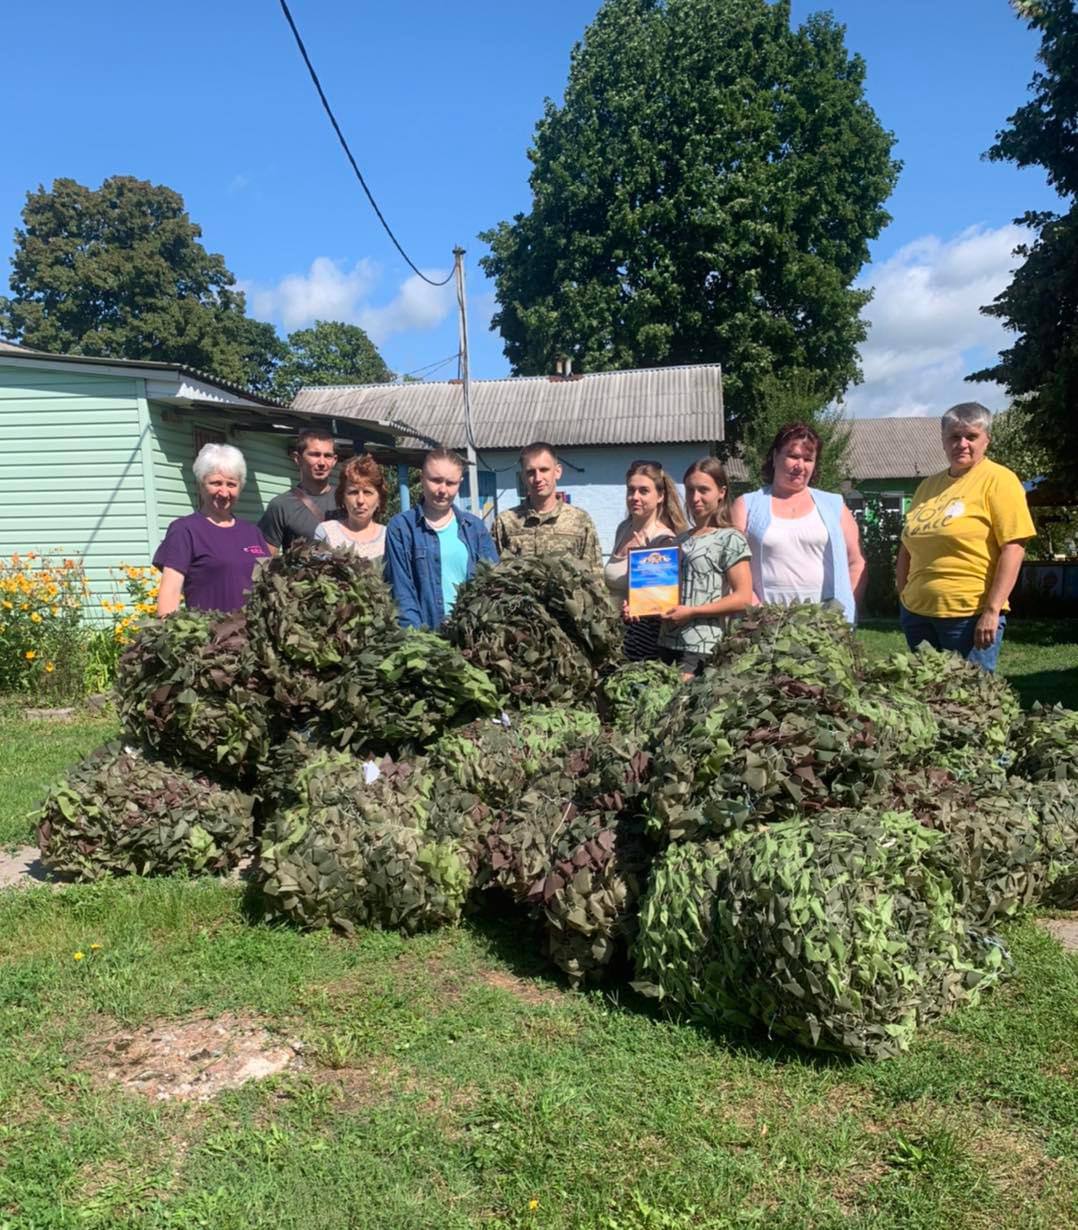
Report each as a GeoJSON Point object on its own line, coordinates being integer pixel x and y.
{"type": "Point", "coordinates": [654, 580]}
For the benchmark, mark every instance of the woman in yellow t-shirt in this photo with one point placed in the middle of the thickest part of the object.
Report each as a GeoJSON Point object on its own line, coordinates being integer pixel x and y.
{"type": "Point", "coordinates": [963, 544]}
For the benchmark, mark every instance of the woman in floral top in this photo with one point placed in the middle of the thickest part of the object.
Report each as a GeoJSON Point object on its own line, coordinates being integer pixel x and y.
{"type": "Point", "coordinates": [716, 580]}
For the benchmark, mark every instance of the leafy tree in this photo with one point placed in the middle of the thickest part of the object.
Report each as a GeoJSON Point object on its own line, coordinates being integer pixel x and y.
{"type": "Point", "coordinates": [119, 271]}
{"type": "Point", "coordinates": [1018, 446]}
{"type": "Point", "coordinates": [797, 397]}
{"type": "Point", "coordinates": [705, 193]}
{"type": "Point", "coordinates": [329, 353]}
{"type": "Point", "coordinates": [1041, 302]}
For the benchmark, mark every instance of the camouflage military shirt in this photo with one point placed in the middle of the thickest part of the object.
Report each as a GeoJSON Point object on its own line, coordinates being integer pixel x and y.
{"type": "Point", "coordinates": [564, 530]}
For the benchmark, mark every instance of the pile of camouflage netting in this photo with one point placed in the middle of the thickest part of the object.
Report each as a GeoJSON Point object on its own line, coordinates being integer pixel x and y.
{"type": "Point", "coordinates": [799, 841]}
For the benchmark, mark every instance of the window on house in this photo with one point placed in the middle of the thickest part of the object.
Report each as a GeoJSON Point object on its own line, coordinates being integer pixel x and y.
{"type": "Point", "coordinates": [205, 435]}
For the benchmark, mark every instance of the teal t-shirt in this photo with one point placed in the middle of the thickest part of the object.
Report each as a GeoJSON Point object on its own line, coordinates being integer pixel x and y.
{"type": "Point", "coordinates": [454, 553]}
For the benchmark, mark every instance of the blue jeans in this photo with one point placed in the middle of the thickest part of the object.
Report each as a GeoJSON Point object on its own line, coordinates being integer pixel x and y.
{"type": "Point", "coordinates": [955, 634]}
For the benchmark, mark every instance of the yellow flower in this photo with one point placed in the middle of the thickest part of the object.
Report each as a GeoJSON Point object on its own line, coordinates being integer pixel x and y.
{"type": "Point", "coordinates": [78, 955]}
{"type": "Point", "coordinates": [35, 618]}
{"type": "Point", "coordinates": [94, 947]}
{"type": "Point", "coordinates": [49, 667]}
{"type": "Point", "coordinates": [55, 611]}
{"type": "Point", "coordinates": [8, 606]}
{"type": "Point", "coordinates": [31, 654]}
{"type": "Point", "coordinates": [533, 1205]}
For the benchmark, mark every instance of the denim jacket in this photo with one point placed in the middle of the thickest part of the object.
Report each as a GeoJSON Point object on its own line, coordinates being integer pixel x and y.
{"type": "Point", "coordinates": [413, 563]}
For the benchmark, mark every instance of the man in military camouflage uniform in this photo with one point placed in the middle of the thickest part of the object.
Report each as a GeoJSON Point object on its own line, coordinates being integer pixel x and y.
{"type": "Point", "coordinates": [545, 524]}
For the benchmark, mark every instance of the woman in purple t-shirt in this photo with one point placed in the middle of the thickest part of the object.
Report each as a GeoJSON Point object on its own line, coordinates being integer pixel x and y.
{"type": "Point", "coordinates": [209, 556]}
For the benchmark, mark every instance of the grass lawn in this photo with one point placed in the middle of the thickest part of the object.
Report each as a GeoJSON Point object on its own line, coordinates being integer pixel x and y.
{"type": "Point", "coordinates": [451, 1081]}
{"type": "Point", "coordinates": [1039, 656]}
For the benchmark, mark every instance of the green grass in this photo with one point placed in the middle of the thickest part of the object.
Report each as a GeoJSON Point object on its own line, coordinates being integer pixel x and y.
{"type": "Point", "coordinates": [1039, 656]}
{"type": "Point", "coordinates": [450, 1080]}
{"type": "Point", "coordinates": [35, 754]}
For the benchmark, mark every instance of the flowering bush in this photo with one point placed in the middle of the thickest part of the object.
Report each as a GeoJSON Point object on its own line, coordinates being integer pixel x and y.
{"type": "Point", "coordinates": [41, 611]}
{"type": "Point", "coordinates": [48, 644]}
{"type": "Point", "coordinates": [135, 599]}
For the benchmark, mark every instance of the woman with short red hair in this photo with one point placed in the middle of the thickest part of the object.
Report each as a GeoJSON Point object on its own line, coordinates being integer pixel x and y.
{"type": "Point", "coordinates": [361, 493]}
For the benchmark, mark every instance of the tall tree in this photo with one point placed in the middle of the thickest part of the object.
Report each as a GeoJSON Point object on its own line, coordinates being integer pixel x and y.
{"type": "Point", "coordinates": [797, 397]}
{"type": "Point", "coordinates": [1041, 302]}
{"type": "Point", "coordinates": [119, 271]}
{"type": "Point", "coordinates": [329, 353]}
{"type": "Point", "coordinates": [706, 192]}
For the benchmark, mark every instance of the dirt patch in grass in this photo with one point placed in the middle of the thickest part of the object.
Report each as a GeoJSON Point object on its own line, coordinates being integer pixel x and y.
{"type": "Point", "coordinates": [520, 988]}
{"type": "Point", "coordinates": [189, 1061]}
{"type": "Point", "coordinates": [1063, 929]}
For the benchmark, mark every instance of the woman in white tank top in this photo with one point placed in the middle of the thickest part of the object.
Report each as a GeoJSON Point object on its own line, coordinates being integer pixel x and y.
{"type": "Point", "coordinates": [805, 544]}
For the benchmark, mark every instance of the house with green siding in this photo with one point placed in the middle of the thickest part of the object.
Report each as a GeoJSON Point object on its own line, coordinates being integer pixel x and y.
{"type": "Point", "coordinates": [95, 454]}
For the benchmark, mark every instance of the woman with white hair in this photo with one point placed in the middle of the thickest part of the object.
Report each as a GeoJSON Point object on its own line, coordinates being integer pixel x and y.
{"type": "Point", "coordinates": [210, 555]}
{"type": "Point", "coordinates": [962, 546]}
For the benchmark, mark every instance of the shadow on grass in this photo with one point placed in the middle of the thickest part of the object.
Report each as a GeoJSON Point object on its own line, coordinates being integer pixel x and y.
{"type": "Point", "coordinates": [1042, 632]}
{"type": "Point", "coordinates": [1049, 687]}
{"type": "Point", "coordinates": [518, 943]}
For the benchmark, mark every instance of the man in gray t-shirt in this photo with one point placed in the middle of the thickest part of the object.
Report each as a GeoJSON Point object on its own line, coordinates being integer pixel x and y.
{"type": "Point", "coordinates": [297, 513]}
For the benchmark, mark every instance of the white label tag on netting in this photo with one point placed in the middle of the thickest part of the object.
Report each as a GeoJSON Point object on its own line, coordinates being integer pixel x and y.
{"type": "Point", "coordinates": [371, 772]}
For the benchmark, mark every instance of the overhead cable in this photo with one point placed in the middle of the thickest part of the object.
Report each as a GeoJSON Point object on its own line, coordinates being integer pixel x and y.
{"type": "Point", "coordinates": [344, 145]}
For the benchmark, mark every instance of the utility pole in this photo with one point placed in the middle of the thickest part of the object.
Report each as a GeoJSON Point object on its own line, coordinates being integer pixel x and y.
{"type": "Point", "coordinates": [469, 437]}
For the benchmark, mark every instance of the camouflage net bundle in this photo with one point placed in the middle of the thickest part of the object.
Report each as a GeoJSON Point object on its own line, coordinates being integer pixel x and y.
{"type": "Point", "coordinates": [738, 751]}
{"type": "Point", "coordinates": [842, 932]}
{"type": "Point", "coordinates": [975, 711]}
{"type": "Point", "coordinates": [804, 640]}
{"type": "Point", "coordinates": [401, 692]}
{"type": "Point", "coordinates": [1056, 806]}
{"type": "Point", "coordinates": [574, 845]}
{"type": "Point", "coordinates": [362, 855]}
{"type": "Point", "coordinates": [494, 759]}
{"type": "Point", "coordinates": [1046, 744]}
{"type": "Point", "coordinates": [312, 609]}
{"type": "Point", "coordinates": [996, 839]}
{"type": "Point", "coordinates": [636, 695]}
{"type": "Point", "coordinates": [541, 627]}
{"type": "Point", "coordinates": [119, 812]}
{"type": "Point", "coordinates": [189, 688]}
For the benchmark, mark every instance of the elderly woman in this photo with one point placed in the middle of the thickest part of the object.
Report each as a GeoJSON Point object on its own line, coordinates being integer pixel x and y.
{"type": "Point", "coordinates": [210, 555]}
{"type": "Point", "coordinates": [361, 493]}
{"type": "Point", "coordinates": [805, 543]}
{"type": "Point", "coordinates": [963, 544]}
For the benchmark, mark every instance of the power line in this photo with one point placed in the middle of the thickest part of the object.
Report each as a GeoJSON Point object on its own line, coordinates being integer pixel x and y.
{"type": "Point", "coordinates": [344, 145]}
{"type": "Point", "coordinates": [433, 367]}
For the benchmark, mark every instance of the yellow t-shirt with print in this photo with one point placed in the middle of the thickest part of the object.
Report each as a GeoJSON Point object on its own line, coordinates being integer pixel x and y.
{"type": "Point", "coordinates": [954, 530]}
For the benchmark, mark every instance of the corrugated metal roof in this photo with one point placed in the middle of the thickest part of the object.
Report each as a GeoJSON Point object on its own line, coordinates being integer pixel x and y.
{"type": "Point", "coordinates": [661, 405]}
{"type": "Point", "coordinates": [881, 449]}
{"type": "Point", "coordinates": [46, 359]}
{"type": "Point", "coordinates": [896, 448]}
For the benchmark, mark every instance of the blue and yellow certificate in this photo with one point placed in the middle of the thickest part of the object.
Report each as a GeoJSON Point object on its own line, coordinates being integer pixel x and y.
{"type": "Point", "coordinates": [654, 580]}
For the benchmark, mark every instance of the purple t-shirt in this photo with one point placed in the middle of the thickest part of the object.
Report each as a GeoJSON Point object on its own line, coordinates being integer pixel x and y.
{"type": "Point", "coordinates": [216, 561]}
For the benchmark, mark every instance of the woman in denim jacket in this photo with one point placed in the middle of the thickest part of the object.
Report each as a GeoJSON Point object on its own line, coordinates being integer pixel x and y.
{"type": "Point", "coordinates": [432, 549]}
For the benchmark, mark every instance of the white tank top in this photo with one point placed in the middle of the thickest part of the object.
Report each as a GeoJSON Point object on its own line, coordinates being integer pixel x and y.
{"type": "Point", "coordinates": [791, 559]}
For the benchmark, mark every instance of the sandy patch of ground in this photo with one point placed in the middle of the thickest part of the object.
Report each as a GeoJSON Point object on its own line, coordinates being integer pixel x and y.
{"type": "Point", "coordinates": [189, 1061]}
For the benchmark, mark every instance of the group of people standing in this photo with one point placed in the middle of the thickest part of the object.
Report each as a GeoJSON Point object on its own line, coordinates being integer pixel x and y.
{"type": "Point", "coordinates": [787, 541]}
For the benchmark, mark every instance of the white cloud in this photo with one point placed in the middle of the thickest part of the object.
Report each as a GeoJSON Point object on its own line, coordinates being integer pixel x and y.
{"type": "Point", "coordinates": [417, 305]}
{"type": "Point", "coordinates": [330, 291]}
{"type": "Point", "coordinates": [926, 330]}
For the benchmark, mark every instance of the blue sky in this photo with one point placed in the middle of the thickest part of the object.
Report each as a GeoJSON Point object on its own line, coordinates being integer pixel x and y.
{"type": "Point", "coordinates": [439, 103]}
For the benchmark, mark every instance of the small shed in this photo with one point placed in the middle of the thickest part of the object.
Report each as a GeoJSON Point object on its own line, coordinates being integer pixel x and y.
{"type": "Point", "coordinates": [599, 422]}
{"type": "Point", "coordinates": [95, 454]}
